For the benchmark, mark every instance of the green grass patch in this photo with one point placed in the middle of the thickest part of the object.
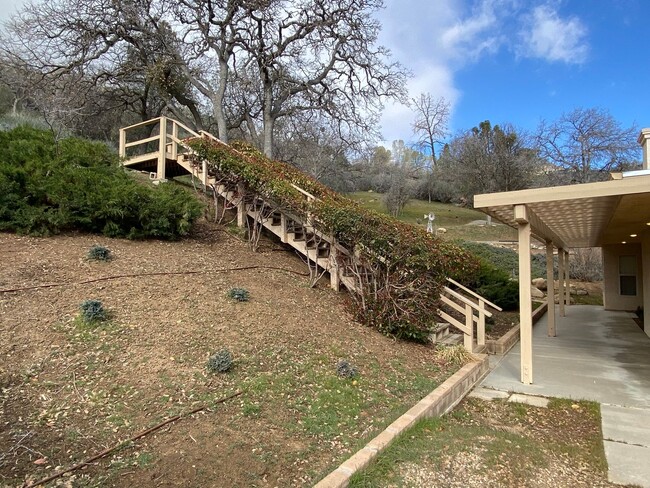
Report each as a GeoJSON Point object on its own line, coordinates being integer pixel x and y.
{"type": "Point", "coordinates": [452, 217]}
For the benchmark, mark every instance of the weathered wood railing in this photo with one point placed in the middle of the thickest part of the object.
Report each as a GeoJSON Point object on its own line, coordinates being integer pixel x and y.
{"type": "Point", "coordinates": [340, 262]}
{"type": "Point", "coordinates": [474, 309]}
{"type": "Point", "coordinates": [169, 144]}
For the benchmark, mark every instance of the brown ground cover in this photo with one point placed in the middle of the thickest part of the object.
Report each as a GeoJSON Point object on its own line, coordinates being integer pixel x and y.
{"type": "Point", "coordinates": [68, 391]}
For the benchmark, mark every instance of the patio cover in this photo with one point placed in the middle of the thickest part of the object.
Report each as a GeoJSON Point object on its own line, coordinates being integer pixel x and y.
{"type": "Point", "coordinates": [563, 217]}
{"type": "Point", "coordinates": [585, 215]}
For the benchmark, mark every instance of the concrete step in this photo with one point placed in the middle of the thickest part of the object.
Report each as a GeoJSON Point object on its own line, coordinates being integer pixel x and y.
{"type": "Point", "coordinates": [440, 332]}
{"type": "Point", "coordinates": [452, 340]}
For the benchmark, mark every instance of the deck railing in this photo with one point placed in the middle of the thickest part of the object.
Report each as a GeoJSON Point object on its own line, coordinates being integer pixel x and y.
{"type": "Point", "coordinates": [169, 146]}
{"type": "Point", "coordinates": [168, 142]}
{"type": "Point", "coordinates": [474, 309]}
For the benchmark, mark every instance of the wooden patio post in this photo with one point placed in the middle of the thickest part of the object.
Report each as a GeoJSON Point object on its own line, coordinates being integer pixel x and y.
{"type": "Point", "coordinates": [525, 295]}
{"type": "Point", "coordinates": [567, 279]}
{"type": "Point", "coordinates": [550, 290]}
{"type": "Point", "coordinates": [560, 279]}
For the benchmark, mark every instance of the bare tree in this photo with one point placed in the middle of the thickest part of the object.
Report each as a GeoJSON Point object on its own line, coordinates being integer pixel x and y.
{"type": "Point", "coordinates": [488, 159]}
{"type": "Point", "coordinates": [230, 64]}
{"type": "Point", "coordinates": [587, 143]}
{"type": "Point", "coordinates": [320, 55]}
{"type": "Point", "coordinates": [430, 125]}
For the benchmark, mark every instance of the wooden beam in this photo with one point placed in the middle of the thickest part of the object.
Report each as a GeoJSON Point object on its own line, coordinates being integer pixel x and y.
{"type": "Point", "coordinates": [122, 150]}
{"type": "Point", "coordinates": [625, 186]}
{"type": "Point", "coordinates": [521, 214]}
{"type": "Point", "coordinates": [525, 305]}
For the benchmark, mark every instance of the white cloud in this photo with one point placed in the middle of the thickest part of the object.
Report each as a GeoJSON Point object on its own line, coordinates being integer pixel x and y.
{"type": "Point", "coordinates": [468, 38]}
{"type": "Point", "coordinates": [437, 38]}
{"type": "Point", "coordinates": [436, 79]}
{"type": "Point", "coordinates": [546, 35]}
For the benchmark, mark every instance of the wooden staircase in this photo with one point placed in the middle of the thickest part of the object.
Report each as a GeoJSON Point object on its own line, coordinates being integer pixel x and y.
{"type": "Point", "coordinates": [156, 146]}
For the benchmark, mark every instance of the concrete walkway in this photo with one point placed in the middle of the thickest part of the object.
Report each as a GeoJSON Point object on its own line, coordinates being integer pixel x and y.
{"type": "Point", "coordinates": [600, 356]}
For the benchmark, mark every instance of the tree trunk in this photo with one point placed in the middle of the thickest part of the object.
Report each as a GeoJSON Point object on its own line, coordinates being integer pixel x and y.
{"type": "Point", "coordinates": [217, 103]}
{"type": "Point", "coordinates": [269, 121]}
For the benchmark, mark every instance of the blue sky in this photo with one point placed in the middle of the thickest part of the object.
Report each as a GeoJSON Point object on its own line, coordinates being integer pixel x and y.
{"type": "Point", "coordinates": [521, 61]}
{"type": "Point", "coordinates": [516, 61]}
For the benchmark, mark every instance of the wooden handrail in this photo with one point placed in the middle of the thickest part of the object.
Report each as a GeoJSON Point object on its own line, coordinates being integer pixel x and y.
{"type": "Point", "coordinates": [141, 141]}
{"type": "Point", "coordinates": [184, 127]}
{"type": "Point", "coordinates": [476, 295]}
{"type": "Point", "coordinates": [209, 136]}
{"type": "Point", "coordinates": [141, 124]}
{"type": "Point", "coordinates": [466, 301]}
{"type": "Point", "coordinates": [304, 192]}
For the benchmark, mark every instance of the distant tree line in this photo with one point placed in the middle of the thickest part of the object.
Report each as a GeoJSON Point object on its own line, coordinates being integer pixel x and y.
{"type": "Point", "coordinates": [582, 146]}
{"type": "Point", "coordinates": [304, 81]}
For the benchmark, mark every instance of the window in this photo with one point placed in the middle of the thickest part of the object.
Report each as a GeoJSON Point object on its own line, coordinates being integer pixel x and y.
{"type": "Point", "coordinates": [627, 275]}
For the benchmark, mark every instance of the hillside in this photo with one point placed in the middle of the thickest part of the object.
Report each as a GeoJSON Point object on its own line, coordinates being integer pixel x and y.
{"type": "Point", "coordinates": [69, 391]}
{"type": "Point", "coordinates": [458, 221]}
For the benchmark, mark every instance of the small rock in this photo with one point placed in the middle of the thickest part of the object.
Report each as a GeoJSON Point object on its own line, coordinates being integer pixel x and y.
{"type": "Point", "coordinates": [442, 230]}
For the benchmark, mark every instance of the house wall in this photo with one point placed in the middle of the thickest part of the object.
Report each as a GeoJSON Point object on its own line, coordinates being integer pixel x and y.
{"type": "Point", "coordinates": [612, 298]}
{"type": "Point", "coordinates": [645, 250]}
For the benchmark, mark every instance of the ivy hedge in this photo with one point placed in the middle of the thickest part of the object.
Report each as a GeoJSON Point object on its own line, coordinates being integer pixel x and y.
{"type": "Point", "coordinates": [49, 186]}
{"type": "Point", "coordinates": [408, 266]}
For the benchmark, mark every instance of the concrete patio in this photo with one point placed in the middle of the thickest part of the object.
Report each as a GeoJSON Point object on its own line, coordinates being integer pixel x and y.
{"type": "Point", "coordinates": [601, 356]}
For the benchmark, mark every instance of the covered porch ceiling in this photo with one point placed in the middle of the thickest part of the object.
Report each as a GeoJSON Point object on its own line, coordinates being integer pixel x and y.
{"type": "Point", "coordinates": [584, 215]}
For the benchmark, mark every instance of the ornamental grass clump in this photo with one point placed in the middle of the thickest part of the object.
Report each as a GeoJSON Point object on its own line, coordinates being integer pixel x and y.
{"type": "Point", "coordinates": [346, 370]}
{"type": "Point", "coordinates": [239, 294]}
{"type": "Point", "coordinates": [220, 362]}
{"type": "Point", "coordinates": [456, 355]}
{"type": "Point", "coordinates": [99, 253]}
{"type": "Point", "coordinates": [92, 311]}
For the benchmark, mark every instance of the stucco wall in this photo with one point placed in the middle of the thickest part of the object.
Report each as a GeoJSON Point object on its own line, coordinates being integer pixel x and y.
{"type": "Point", "coordinates": [612, 298]}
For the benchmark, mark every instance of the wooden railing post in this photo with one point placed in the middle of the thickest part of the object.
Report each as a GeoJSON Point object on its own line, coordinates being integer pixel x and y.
{"type": "Point", "coordinates": [162, 149]}
{"type": "Point", "coordinates": [480, 328]}
{"type": "Point", "coordinates": [469, 323]}
{"type": "Point", "coordinates": [122, 143]}
{"type": "Point", "coordinates": [174, 151]}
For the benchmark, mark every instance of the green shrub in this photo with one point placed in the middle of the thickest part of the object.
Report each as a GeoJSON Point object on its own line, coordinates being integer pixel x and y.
{"type": "Point", "coordinates": [346, 370]}
{"type": "Point", "coordinates": [220, 362]}
{"type": "Point", "coordinates": [47, 187]}
{"type": "Point", "coordinates": [92, 311]}
{"type": "Point", "coordinates": [238, 294]}
{"type": "Point", "coordinates": [496, 286]}
{"type": "Point", "coordinates": [99, 253]}
{"type": "Point", "coordinates": [505, 259]}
